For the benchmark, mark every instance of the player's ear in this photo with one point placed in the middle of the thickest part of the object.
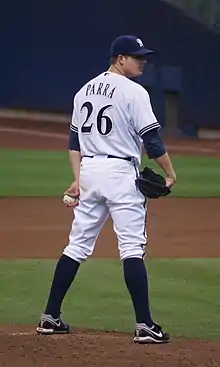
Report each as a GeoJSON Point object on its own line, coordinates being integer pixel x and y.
{"type": "Point", "coordinates": [121, 59]}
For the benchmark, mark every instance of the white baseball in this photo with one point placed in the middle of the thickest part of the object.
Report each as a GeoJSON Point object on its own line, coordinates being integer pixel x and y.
{"type": "Point", "coordinates": [68, 200]}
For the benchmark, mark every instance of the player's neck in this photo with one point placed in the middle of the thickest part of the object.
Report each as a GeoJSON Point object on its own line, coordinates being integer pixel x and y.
{"type": "Point", "coordinates": [116, 69]}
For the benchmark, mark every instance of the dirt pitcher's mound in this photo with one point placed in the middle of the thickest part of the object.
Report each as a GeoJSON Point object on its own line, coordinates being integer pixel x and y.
{"type": "Point", "coordinates": [100, 349]}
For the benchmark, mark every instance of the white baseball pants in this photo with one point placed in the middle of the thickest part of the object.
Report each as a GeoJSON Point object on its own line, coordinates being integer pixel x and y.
{"type": "Point", "coordinates": [107, 187]}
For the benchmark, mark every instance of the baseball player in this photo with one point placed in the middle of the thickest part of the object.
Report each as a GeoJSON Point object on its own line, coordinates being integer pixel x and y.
{"type": "Point", "coordinates": [112, 118]}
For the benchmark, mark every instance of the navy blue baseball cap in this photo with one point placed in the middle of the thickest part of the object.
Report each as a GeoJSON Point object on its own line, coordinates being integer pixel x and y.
{"type": "Point", "coordinates": [128, 45]}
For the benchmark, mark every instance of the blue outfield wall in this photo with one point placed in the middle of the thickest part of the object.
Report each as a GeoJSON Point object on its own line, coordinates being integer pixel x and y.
{"type": "Point", "coordinates": [49, 49]}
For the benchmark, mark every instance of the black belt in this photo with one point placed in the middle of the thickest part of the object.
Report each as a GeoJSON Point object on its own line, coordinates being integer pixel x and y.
{"type": "Point", "coordinates": [111, 156]}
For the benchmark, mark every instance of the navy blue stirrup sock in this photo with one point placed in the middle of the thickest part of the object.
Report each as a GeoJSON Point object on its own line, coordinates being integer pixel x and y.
{"type": "Point", "coordinates": [65, 272]}
{"type": "Point", "coordinates": [135, 275]}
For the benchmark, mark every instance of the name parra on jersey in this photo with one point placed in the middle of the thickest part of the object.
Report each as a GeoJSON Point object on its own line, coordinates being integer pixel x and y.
{"type": "Point", "coordinates": [110, 114]}
{"type": "Point", "coordinates": [103, 89]}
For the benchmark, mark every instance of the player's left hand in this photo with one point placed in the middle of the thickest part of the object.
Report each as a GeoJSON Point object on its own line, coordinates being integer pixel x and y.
{"type": "Point", "coordinates": [170, 182]}
{"type": "Point", "coordinates": [153, 185]}
{"type": "Point", "coordinates": [74, 192]}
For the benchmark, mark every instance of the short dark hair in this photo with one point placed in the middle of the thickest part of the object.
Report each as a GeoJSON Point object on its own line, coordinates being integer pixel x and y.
{"type": "Point", "coordinates": [113, 60]}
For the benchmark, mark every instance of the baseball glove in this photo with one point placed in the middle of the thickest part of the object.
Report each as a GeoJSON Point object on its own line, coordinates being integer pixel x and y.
{"type": "Point", "coordinates": [151, 184]}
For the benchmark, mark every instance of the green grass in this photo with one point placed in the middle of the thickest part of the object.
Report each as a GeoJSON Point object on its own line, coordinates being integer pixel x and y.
{"type": "Point", "coordinates": [46, 173]}
{"type": "Point", "coordinates": [183, 293]}
{"type": "Point", "coordinates": [34, 173]}
{"type": "Point", "coordinates": [197, 176]}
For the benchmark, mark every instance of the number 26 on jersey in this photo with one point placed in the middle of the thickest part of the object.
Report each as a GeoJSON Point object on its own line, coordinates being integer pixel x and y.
{"type": "Point", "coordinates": [103, 122]}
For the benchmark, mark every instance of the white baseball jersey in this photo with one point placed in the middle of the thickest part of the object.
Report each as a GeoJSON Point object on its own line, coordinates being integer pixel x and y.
{"type": "Point", "coordinates": [110, 114]}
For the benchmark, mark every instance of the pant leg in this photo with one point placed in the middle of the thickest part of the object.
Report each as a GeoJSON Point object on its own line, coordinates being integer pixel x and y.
{"type": "Point", "coordinates": [130, 227]}
{"type": "Point", "coordinates": [89, 217]}
{"type": "Point", "coordinates": [127, 207]}
{"type": "Point", "coordinates": [85, 229]}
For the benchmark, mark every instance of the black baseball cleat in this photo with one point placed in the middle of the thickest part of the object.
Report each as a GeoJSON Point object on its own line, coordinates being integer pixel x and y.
{"type": "Point", "coordinates": [150, 335]}
{"type": "Point", "coordinates": [48, 325]}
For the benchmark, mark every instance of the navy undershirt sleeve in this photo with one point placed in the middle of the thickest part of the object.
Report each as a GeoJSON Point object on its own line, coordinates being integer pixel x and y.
{"type": "Point", "coordinates": [74, 141]}
{"type": "Point", "coordinates": [153, 144]}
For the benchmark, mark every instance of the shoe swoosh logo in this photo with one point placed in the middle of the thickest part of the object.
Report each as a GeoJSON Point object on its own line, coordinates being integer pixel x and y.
{"type": "Point", "coordinates": [58, 324]}
{"type": "Point", "coordinates": [158, 334]}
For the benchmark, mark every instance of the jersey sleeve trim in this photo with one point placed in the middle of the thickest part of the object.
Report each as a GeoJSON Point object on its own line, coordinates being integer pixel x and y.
{"type": "Point", "coordinates": [147, 128]}
{"type": "Point", "coordinates": [74, 128]}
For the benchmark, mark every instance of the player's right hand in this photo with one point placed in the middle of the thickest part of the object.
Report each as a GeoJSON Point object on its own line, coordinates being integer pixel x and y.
{"type": "Point", "coordinates": [74, 192]}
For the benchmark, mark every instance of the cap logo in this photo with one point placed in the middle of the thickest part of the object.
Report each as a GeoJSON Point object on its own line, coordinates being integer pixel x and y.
{"type": "Point", "coordinates": [140, 42]}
